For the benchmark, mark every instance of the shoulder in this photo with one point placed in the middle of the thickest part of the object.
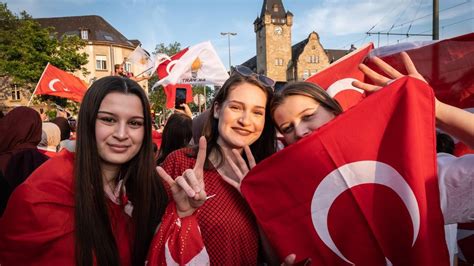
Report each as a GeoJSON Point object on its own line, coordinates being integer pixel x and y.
{"type": "Point", "coordinates": [179, 160]}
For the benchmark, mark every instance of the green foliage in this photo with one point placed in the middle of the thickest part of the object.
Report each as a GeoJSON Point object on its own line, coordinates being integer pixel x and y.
{"type": "Point", "coordinates": [26, 48]}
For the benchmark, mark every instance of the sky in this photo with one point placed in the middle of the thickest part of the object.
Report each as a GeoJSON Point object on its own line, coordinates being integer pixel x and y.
{"type": "Point", "coordinates": [339, 23]}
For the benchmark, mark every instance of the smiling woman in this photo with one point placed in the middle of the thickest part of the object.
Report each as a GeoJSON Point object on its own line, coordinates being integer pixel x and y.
{"type": "Point", "coordinates": [238, 124]}
{"type": "Point", "coordinates": [80, 204]}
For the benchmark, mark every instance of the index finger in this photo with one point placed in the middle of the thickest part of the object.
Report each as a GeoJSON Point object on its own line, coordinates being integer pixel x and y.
{"type": "Point", "coordinates": [409, 66]}
{"type": "Point", "coordinates": [201, 156]}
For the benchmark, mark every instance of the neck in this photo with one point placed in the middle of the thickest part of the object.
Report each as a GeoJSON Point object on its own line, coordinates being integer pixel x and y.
{"type": "Point", "coordinates": [109, 173]}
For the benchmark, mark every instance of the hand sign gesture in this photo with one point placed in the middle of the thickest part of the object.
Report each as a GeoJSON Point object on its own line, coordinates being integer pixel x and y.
{"type": "Point", "coordinates": [188, 189]}
{"type": "Point", "coordinates": [240, 169]}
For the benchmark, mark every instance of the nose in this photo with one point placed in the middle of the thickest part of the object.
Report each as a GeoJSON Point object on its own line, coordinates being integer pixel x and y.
{"type": "Point", "coordinates": [121, 131]}
{"type": "Point", "coordinates": [301, 131]}
{"type": "Point", "coordinates": [244, 118]}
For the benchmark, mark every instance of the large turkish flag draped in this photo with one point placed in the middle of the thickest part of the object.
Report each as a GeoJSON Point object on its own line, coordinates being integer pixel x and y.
{"type": "Point", "coordinates": [57, 82]}
{"type": "Point", "coordinates": [369, 197]}
{"type": "Point", "coordinates": [447, 65]}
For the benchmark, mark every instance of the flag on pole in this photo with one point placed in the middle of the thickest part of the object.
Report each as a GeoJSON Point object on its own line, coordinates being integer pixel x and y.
{"type": "Point", "coordinates": [368, 199]}
{"type": "Point", "coordinates": [57, 82]}
{"type": "Point", "coordinates": [198, 64]}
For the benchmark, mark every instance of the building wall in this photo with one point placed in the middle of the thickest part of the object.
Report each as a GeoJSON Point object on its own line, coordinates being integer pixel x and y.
{"type": "Point", "coordinates": [312, 59]}
{"type": "Point", "coordinates": [274, 48]}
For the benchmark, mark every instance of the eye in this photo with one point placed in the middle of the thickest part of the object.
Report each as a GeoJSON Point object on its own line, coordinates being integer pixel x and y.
{"type": "Point", "coordinates": [259, 113]}
{"type": "Point", "coordinates": [136, 123]}
{"type": "Point", "coordinates": [235, 107]}
{"type": "Point", "coordinates": [107, 119]}
{"type": "Point", "coordinates": [287, 129]}
{"type": "Point", "coordinates": [308, 116]}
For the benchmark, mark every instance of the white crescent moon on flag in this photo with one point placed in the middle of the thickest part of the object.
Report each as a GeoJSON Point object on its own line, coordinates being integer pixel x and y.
{"type": "Point", "coordinates": [170, 65]}
{"type": "Point", "coordinates": [341, 85]}
{"type": "Point", "coordinates": [202, 258]}
{"type": "Point", "coordinates": [351, 175]}
{"type": "Point", "coordinates": [51, 84]}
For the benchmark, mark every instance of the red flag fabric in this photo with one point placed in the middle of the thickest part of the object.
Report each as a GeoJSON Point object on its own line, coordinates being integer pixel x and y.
{"type": "Point", "coordinates": [165, 68]}
{"type": "Point", "coordinates": [336, 79]}
{"type": "Point", "coordinates": [370, 197]}
{"type": "Point", "coordinates": [447, 65]}
{"type": "Point", "coordinates": [170, 91]}
{"type": "Point", "coordinates": [57, 82]}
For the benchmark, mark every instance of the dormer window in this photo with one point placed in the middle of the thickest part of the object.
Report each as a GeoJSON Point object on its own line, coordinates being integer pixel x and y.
{"type": "Point", "coordinates": [84, 34]}
{"type": "Point", "coordinates": [275, 8]}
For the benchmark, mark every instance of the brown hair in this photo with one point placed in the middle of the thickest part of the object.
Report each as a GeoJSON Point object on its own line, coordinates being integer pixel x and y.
{"type": "Point", "coordinates": [265, 145]}
{"type": "Point", "coordinates": [93, 231]}
{"type": "Point", "coordinates": [307, 89]}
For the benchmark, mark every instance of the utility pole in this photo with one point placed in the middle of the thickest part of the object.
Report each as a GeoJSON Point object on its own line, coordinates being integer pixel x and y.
{"type": "Point", "coordinates": [435, 19]}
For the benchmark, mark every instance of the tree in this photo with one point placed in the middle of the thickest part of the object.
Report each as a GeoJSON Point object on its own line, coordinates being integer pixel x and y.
{"type": "Point", "coordinates": [26, 48]}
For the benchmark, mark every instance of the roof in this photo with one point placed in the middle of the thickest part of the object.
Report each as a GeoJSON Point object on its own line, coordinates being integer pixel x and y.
{"type": "Point", "coordinates": [251, 63]}
{"type": "Point", "coordinates": [334, 54]}
{"type": "Point", "coordinates": [98, 28]}
{"type": "Point", "coordinates": [268, 7]}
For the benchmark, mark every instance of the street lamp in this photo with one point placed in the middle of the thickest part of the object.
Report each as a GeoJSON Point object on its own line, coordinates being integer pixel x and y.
{"type": "Point", "coordinates": [228, 40]}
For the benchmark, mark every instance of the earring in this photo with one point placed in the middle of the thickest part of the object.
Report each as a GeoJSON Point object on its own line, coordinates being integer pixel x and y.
{"type": "Point", "coordinates": [216, 116]}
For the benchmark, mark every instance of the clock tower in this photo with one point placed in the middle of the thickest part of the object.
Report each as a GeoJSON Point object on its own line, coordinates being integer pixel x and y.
{"type": "Point", "coordinates": [273, 30]}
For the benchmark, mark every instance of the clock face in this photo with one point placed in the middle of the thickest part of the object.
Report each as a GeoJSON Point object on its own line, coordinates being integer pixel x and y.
{"type": "Point", "coordinates": [278, 30]}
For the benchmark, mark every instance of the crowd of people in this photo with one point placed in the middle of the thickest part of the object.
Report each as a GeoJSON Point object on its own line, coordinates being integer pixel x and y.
{"type": "Point", "coordinates": [113, 195]}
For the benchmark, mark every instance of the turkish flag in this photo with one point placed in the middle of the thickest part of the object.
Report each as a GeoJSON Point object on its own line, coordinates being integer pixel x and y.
{"type": "Point", "coordinates": [447, 65]}
{"type": "Point", "coordinates": [337, 78]}
{"type": "Point", "coordinates": [178, 241]}
{"type": "Point", "coordinates": [170, 91]}
{"type": "Point", "coordinates": [165, 67]}
{"type": "Point", "coordinates": [57, 82]}
{"type": "Point", "coordinates": [370, 197]}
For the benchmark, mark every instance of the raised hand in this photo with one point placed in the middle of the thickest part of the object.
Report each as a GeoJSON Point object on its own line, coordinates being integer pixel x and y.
{"type": "Point", "coordinates": [240, 168]}
{"type": "Point", "coordinates": [188, 189]}
{"type": "Point", "coordinates": [391, 72]}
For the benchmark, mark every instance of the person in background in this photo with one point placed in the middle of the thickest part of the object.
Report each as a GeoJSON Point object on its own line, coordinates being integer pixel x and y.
{"type": "Point", "coordinates": [444, 143]}
{"type": "Point", "coordinates": [76, 209]}
{"type": "Point", "coordinates": [176, 135]}
{"type": "Point", "coordinates": [50, 139]}
{"type": "Point", "coordinates": [19, 156]}
{"type": "Point", "coordinates": [65, 129]}
{"type": "Point", "coordinates": [120, 71]}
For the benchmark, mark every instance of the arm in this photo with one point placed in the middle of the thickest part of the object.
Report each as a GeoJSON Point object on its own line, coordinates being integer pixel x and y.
{"type": "Point", "coordinates": [454, 121]}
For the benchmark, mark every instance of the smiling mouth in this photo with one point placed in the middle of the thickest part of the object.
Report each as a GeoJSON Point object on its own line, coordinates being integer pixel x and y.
{"type": "Point", "coordinates": [242, 131]}
{"type": "Point", "coordinates": [118, 148]}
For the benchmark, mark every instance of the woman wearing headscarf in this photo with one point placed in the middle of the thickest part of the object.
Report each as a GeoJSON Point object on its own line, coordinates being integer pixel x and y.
{"type": "Point", "coordinates": [20, 133]}
{"type": "Point", "coordinates": [50, 138]}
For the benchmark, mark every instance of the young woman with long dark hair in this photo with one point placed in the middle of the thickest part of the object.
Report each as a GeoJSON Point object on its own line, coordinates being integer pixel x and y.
{"type": "Point", "coordinates": [100, 205]}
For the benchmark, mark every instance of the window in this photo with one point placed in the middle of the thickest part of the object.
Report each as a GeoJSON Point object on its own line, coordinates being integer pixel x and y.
{"type": "Point", "coordinates": [16, 94]}
{"type": "Point", "coordinates": [101, 62]}
{"type": "Point", "coordinates": [128, 67]}
{"type": "Point", "coordinates": [278, 62]}
{"type": "Point", "coordinates": [306, 74]}
{"type": "Point", "coordinates": [275, 8]}
{"type": "Point", "coordinates": [313, 59]}
{"type": "Point", "coordinates": [84, 34]}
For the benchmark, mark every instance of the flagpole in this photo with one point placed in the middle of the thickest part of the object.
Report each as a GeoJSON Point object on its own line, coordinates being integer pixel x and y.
{"type": "Point", "coordinates": [144, 71]}
{"type": "Point", "coordinates": [32, 95]}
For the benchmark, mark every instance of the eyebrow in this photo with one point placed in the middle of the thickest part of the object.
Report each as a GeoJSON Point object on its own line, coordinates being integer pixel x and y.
{"type": "Point", "coordinates": [112, 114]}
{"type": "Point", "coordinates": [242, 103]}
